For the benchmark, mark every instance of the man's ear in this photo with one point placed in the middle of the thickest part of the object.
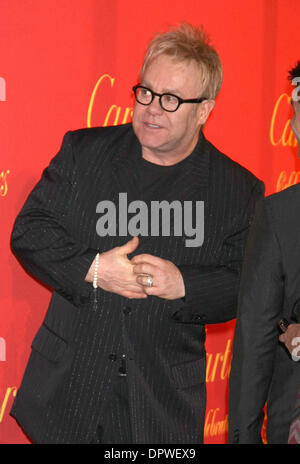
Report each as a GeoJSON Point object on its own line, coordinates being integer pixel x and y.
{"type": "Point", "coordinates": [204, 111]}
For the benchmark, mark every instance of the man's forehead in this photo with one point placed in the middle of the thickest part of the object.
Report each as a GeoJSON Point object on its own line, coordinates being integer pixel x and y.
{"type": "Point", "coordinates": [172, 69]}
{"type": "Point", "coordinates": [177, 61]}
{"type": "Point", "coordinates": [166, 74]}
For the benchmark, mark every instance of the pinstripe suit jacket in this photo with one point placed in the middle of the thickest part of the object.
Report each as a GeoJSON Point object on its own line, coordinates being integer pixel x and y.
{"type": "Point", "coordinates": [76, 353]}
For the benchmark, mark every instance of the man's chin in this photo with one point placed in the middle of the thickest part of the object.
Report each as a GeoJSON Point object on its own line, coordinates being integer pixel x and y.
{"type": "Point", "coordinates": [153, 144]}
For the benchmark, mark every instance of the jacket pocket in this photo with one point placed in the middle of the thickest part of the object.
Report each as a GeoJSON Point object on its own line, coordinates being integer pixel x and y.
{"type": "Point", "coordinates": [48, 344]}
{"type": "Point", "coordinates": [189, 373]}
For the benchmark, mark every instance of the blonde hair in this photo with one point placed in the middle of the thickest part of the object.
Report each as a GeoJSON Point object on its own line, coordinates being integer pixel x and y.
{"type": "Point", "coordinates": [186, 43]}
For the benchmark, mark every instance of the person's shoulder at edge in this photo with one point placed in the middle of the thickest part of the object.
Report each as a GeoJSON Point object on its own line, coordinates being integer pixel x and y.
{"type": "Point", "coordinates": [284, 205]}
{"type": "Point", "coordinates": [284, 196]}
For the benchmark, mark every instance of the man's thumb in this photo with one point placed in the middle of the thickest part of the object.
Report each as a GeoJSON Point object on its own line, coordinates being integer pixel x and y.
{"type": "Point", "coordinates": [130, 246]}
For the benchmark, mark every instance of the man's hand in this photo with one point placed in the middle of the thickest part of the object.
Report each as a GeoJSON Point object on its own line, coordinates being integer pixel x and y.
{"type": "Point", "coordinates": [115, 272]}
{"type": "Point", "coordinates": [166, 277]}
{"type": "Point", "coordinates": [291, 339]}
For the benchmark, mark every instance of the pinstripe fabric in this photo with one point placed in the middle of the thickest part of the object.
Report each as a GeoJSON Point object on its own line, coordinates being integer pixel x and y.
{"type": "Point", "coordinates": [262, 370]}
{"type": "Point", "coordinates": [115, 426]}
{"type": "Point", "coordinates": [77, 352]}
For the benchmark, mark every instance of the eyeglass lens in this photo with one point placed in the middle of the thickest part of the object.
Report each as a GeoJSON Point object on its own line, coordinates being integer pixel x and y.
{"type": "Point", "coordinates": [167, 101]}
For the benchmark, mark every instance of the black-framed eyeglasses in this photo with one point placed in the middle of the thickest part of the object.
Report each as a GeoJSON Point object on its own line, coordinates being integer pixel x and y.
{"type": "Point", "coordinates": [167, 101]}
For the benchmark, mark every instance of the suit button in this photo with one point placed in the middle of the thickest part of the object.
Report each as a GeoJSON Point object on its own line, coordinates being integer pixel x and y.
{"type": "Point", "coordinates": [122, 372]}
{"type": "Point", "coordinates": [112, 357]}
{"type": "Point", "coordinates": [122, 369]}
{"type": "Point", "coordinates": [198, 318]}
{"type": "Point", "coordinates": [127, 310]}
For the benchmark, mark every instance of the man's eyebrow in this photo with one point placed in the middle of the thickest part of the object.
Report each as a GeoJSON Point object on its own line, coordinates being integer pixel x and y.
{"type": "Point", "coordinates": [169, 91]}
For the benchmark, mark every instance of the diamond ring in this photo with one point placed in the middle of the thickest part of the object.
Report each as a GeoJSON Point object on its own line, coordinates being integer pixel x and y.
{"type": "Point", "coordinates": [149, 281]}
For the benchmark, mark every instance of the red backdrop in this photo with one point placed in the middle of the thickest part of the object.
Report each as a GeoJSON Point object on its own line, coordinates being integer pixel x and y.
{"type": "Point", "coordinates": [67, 64]}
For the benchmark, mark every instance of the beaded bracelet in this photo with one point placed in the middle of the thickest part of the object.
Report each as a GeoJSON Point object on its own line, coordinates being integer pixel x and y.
{"type": "Point", "coordinates": [96, 271]}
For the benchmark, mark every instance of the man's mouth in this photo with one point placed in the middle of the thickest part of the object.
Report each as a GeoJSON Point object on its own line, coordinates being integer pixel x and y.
{"type": "Point", "coordinates": [152, 126]}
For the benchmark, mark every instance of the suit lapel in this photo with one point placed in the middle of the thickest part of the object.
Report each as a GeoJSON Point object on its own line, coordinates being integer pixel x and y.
{"type": "Point", "coordinates": [125, 167]}
{"type": "Point", "coordinates": [196, 170]}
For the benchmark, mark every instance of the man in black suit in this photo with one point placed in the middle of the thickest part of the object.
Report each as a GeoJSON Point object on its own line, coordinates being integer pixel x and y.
{"type": "Point", "coordinates": [120, 357]}
{"type": "Point", "coordinates": [263, 365]}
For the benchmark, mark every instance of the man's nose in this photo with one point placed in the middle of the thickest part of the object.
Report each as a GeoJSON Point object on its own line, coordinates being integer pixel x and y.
{"type": "Point", "coordinates": [154, 106]}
